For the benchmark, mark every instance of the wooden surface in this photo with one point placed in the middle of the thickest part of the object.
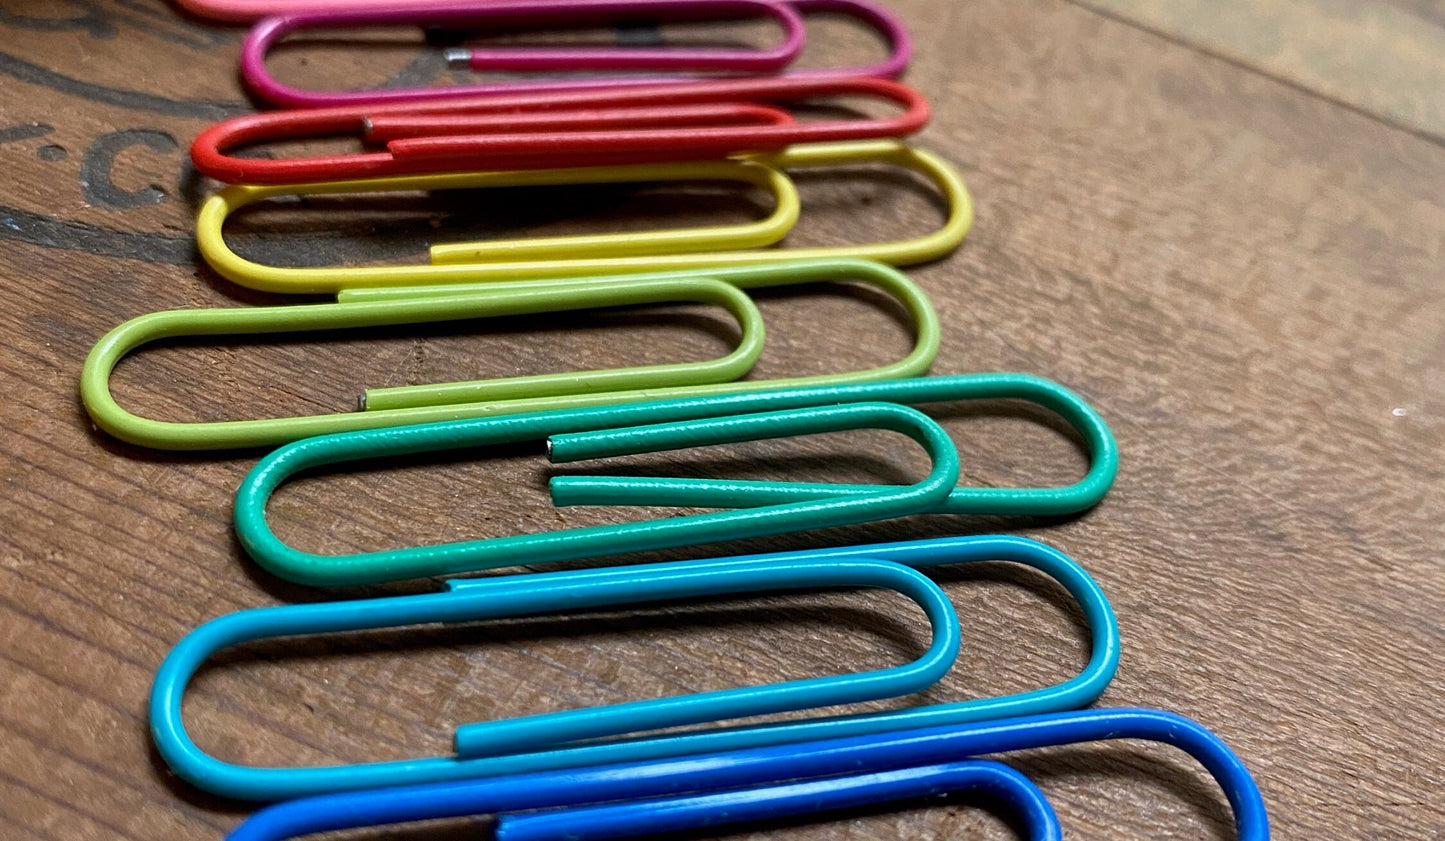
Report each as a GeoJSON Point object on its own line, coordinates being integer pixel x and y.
{"type": "Point", "coordinates": [1242, 273]}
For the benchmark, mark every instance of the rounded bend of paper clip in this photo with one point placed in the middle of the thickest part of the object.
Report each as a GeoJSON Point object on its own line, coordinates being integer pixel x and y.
{"type": "Point", "coordinates": [473, 140]}
{"type": "Point", "coordinates": [509, 299]}
{"type": "Point", "coordinates": [539, 594]}
{"type": "Point", "coordinates": [513, 14]}
{"type": "Point", "coordinates": [782, 739]}
{"type": "Point", "coordinates": [887, 502]}
{"type": "Point", "coordinates": [689, 814]}
{"type": "Point", "coordinates": [711, 812]}
{"type": "Point", "coordinates": [890, 282]}
{"type": "Point", "coordinates": [938, 172]}
{"type": "Point", "coordinates": [609, 248]}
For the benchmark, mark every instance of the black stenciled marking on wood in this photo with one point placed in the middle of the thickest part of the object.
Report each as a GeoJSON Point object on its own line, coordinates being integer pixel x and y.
{"type": "Point", "coordinates": [95, 168]}
{"type": "Point", "coordinates": [23, 70]}
{"type": "Point", "coordinates": [104, 24]}
{"type": "Point", "coordinates": [52, 152]}
{"type": "Point", "coordinates": [174, 28]}
{"type": "Point", "coordinates": [24, 131]}
{"type": "Point", "coordinates": [32, 228]}
{"type": "Point", "coordinates": [91, 20]}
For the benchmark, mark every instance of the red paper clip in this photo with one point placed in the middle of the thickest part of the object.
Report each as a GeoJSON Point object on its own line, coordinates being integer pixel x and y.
{"type": "Point", "coordinates": [711, 119]}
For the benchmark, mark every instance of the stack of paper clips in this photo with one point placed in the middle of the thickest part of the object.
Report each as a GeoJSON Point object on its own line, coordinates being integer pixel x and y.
{"type": "Point", "coordinates": [713, 113]}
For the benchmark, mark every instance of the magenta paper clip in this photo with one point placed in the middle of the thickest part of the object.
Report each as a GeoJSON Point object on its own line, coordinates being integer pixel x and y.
{"type": "Point", "coordinates": [492, 14]}
{"type": "Point", "coordinates": [512, 15]}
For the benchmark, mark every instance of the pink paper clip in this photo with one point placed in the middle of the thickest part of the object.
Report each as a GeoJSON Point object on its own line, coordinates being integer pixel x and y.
{"type": "Point", "coordinates": [511, 14]}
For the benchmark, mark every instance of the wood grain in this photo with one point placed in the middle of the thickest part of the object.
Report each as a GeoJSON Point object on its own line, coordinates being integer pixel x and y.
{"type": "Point", "coordinates": [1385, 57]}
{"type": "Point", "coordinates": [1245, 279]}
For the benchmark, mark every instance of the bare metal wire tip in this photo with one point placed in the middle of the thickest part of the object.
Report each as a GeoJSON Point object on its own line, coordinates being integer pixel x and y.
{"type": "Point", "coordinates": [458, 58]}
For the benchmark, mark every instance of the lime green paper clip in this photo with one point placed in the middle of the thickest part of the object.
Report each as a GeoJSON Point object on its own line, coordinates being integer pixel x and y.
{"type": "Point", "coordinates": [453, 401]}
{"type": "Point", "coordinates": [764, 508]}
{"type": "Point", "coordinates": [606, 254]}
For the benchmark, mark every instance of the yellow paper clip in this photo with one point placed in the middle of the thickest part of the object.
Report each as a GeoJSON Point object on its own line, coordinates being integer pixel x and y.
{"type": "Point", "coordinates": [217, 208]}
{"type": "Point", "coordinates": [610, 254]}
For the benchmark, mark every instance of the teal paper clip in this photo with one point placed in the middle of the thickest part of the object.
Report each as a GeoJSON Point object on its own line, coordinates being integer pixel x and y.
{"type": "Point", "coordinates": [577, 738]}
{"type": "Point", "coordinates": [767, 508]}
{"type": "Point", "coordinates": [884, 502]}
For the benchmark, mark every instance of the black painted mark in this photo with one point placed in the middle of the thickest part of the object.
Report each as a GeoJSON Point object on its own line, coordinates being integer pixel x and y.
{"type": "Point", "coordinates": [163, 22]}
{"type": "Point", "coordinates": [95, 168]}
{"type": "Point", "coordinates": [25, 131]}
{"type": "Point", "coordinates": [23, 70]}
{"type": "Point", "coordinates": [51, 152]}
{"type": "Point", "coordinates": [35, 229]}
{"type": "Point", "coordinates": [91, 20]}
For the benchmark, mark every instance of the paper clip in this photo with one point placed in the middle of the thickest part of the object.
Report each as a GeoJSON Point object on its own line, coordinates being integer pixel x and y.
{"type": "Point", "coordinates": [567, 257]}
{"type": "Point", "coordinates": [711, 813]}
{"type": "Point", "coordinates": [592, 433]}
{"type": "Point", "coordinates": [694, 813]}
{"type": "Point", "coordinates": [443, 401]}
{"type": "Point", "coordinates": [211, 220]}
{"type": "Point", "coordinates": [494, 15]}
{"type": "Point", "coordinates": [884, 502]}
{"type": "Point", "coordinates": [474, 133]}
{"type": "Point", "coordinates": [477, 749]}
{"type": "Point", "coordinates": [686, 791]}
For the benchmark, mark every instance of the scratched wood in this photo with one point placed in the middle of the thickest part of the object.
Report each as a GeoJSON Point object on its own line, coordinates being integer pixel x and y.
{"type": "Point", "coordinates": [1244, 277]}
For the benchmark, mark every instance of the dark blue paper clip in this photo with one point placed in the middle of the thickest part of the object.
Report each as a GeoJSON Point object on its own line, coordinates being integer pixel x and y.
{"type": "Point", "coordinates": [557, 740]}
{"type": "Point", "coordinates": [810, 798]}
{"type": "Point", "coordinates": [697, 791]}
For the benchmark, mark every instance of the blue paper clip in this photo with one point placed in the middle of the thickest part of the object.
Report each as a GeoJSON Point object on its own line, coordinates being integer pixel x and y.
{"type": "Point", "coordinates": [591, 432]}
{"type": "Point", "coordinates": [539, 745]}
{"type": "Point", "coordinates": [684, 784]}
{"type": "Point", "coordinates": [811, 798]}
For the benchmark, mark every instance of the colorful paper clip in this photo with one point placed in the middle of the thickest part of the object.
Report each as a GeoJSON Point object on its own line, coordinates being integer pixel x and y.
{"type": "Point", "coordinates": [697, 791]}
{"type": "Point", "coordinates": [565, 257]}
{"type": "Point", "coordinates": [508, 15]}
{"type": "Point", "coordinates": [552, 741]}
{"type": "Point", "coordinates": [709, 814]}
{"type": "Point", "coordinates": [766, 508]}
{"type": "Point", "coordinates": [451, 401]}
{"type": "Point", "coordinates": [691, 814]}
{"type": "Point", "coordinates": [211, 221]}
{"type": "Point", "coordinates": [475, 133]}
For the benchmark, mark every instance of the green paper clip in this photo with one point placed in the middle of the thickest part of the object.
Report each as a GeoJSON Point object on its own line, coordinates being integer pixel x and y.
{"type": "Point", "coordinates": [453, 401]}
{"type": "Point", "coordinates": [588, 433]}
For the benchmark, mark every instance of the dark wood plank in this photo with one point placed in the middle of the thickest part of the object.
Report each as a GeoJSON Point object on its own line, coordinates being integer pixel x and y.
{"type": "Point", "coordinates": [1243, 277]}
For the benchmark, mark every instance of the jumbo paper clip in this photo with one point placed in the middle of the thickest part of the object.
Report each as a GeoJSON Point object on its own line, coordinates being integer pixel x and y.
{"type": "Point", "coordinates": [449, 401]}
{"type": "Point", "coordinates": [765, 508]}
{"type": "Point", "coordinates": [509, 15]}
{"type": "Point", "coordinates": [453, 264]}
{"type": "Point", "coordinates": [554, 130]}
{"type": "Point", "coordinates": [520, 746]}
